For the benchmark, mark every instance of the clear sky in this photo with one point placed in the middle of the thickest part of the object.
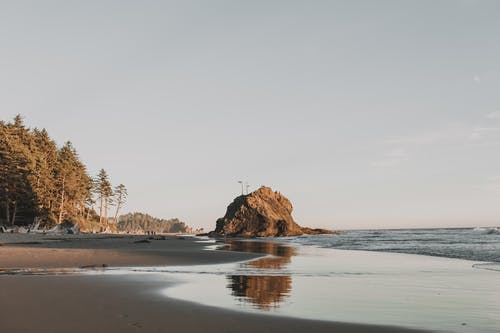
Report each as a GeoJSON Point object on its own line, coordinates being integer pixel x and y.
{"type": "Point", "coordinates": [366, 114]}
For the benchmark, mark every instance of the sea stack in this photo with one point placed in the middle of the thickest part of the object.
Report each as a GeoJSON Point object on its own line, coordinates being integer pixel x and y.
{"type": "Point", "coordinates": [262, 213]}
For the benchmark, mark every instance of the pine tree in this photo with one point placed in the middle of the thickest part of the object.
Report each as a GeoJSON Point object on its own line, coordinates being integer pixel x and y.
{"type": "Point", "coordinates": [104, 191]}
{"type": "Point", "coordinates": [6, 164]}
{"type": "Point", "coordinates": [41, 183]}
{"type": "Point", "coordinates": [121, 197]}
{"type": "Point", "coordinates": [46, 157]}
{"type": "Point", "coordinates": [65, 177]}
{"type": "Point", "coordinates": [17, 163]}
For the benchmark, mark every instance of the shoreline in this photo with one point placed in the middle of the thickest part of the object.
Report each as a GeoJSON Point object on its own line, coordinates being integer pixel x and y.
{"type": "Point", "coordinates": [126, 303]}
{"type": "Point", "coordinates": [23, 251]}
{"type": "Point", "coordinates": [353, 286]}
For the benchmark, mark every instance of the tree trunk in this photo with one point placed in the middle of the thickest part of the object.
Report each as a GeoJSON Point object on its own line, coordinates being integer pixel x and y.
{"type": "Point", "coordinates": [100, 209]}
{"type": "Point", "coordinates": [14, 213]}
{"type": "Point", "coordinates": [115, 221]}
{"type": "Point", "coordinates": [7, 212]}
{"type": "Point", "coordinates": [118, 205]}
{"type": "Point", "coordinates": [106, 209]}
{"type": "Point", "coordinates": [82, 208]}
{"type": "Point", "coordinates": [61, 206]}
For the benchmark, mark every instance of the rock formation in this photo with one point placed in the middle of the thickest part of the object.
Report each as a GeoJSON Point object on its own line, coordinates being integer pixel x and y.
{"type": "Point", "coordinates": [262, 213]}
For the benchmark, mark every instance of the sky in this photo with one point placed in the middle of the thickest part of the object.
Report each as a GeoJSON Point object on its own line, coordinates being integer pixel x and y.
{"type": "Point", "coordinates": [365, 114]}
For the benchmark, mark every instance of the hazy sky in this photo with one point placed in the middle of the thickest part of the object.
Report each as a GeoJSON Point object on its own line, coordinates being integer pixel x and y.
{"type": "Point", "coordinates": [364, 113]}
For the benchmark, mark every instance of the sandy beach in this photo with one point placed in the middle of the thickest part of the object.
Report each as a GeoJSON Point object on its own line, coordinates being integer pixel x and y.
{"type": "Point", "coordinates": [74, 251]}
{"type": "Point", "coordinates": [123, 303]}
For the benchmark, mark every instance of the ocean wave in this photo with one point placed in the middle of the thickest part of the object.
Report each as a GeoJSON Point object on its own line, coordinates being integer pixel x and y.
{"type": "Point", "coordinates": [477, 244]}
{"type": "Point", "coordinates": [490, 266]}
{"type": "Point", "coordinates": [487, 230]}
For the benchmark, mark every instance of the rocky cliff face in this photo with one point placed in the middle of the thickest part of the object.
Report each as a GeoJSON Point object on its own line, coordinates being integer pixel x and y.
{"type": "Point", "coordinates": [262, 213]}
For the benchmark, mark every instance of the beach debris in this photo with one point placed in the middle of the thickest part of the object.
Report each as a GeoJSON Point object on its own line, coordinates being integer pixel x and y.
{"type": "Point", "coordinates": [26, 243]}
{"type": "Point", "coordinates": [34, 227]}
{"type": "Point", "coordinates": [70, 228]}
{"type": "Point", "coordinates": [157, 238]}
{"type": "Point", "coordinates": [142, 241]}
{"type": "Point", "coordinates": [64, 228]}
{"type": "Point", "coordinates": [21, 229]}
{"type": "Point", "coordinates": [53, 230]}
{"type": "Point", "coordinates": [94, 266]}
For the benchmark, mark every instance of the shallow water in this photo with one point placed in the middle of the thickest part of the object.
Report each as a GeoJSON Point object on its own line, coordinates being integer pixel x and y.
{"type": "Point", "coordinates": [350, 286]}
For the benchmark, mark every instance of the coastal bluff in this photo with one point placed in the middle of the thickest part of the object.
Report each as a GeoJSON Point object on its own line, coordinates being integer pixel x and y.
{"type": "Point", "coordinates": [262, 213]}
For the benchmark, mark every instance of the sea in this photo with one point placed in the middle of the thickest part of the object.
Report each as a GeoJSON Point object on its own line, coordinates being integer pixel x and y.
{"type": "Point", "coordinates": [441, 280]}
{"type": "Point", "coordinates": [477, 244]}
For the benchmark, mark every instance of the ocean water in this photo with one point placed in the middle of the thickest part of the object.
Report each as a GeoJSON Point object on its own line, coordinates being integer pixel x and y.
{"type": "Point", "coordinates": [442, 280]}
{"type": "Point", "coordinates": [477, 244]}
{"type": "Point", "coordinates": [370, 287]}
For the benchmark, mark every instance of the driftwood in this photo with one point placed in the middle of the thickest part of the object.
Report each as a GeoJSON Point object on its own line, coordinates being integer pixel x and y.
{"type": "Point", "coordinates": [63, 228]}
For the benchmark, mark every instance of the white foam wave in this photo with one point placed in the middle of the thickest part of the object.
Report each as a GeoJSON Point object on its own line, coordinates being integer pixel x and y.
{"type": "Point", "coordinates": [487, 230]}
{"type": "Point", "coordinates": [491, 266]}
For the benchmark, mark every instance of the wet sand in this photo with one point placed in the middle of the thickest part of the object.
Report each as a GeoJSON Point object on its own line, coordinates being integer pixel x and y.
{"type": "Point", "coordinates": [73, 251]}
{"type": "Point", "coordinates": [123, 303]}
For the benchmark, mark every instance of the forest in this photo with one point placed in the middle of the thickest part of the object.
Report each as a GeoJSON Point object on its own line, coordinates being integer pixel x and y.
{"type": "Point", "coordinates": [44, 184]}
{"type": "Point", "coordinates": [140, 222]}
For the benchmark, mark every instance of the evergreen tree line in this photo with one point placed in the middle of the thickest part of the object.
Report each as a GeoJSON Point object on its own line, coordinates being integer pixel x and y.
{"type": "Point", "coordinates": [40, 182]}
{"type": "Point", "coordinates": [140, 222]}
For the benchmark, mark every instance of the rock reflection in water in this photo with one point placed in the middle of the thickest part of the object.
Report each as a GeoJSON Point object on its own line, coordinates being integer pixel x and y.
{"type": "Point", "coordinates": [281, 254]}
{"type": "Point", "coordinates": [263, 291]}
